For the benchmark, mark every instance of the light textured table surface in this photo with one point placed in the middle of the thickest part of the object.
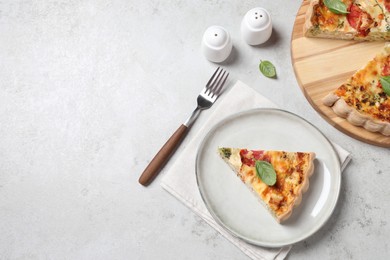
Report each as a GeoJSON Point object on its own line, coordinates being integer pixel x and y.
{"type": "Point", "coordinates": [91, 89]}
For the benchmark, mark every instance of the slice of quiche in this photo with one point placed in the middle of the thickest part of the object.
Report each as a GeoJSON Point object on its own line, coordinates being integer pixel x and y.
{"type": "Point", "coordinates": [278, 178]}
{"type": "Point", "coordinates": [361, 20]}
{"type": "Point", "coordinates": [364, 98]}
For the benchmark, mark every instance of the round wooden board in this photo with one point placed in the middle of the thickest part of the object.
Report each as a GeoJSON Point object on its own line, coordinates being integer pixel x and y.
{"type": "Point", "coordinates": [322, 65]}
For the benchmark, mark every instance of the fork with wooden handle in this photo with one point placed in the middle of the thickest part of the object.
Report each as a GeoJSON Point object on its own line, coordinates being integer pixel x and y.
{"type": "Point", "coordinates": [205, 100]}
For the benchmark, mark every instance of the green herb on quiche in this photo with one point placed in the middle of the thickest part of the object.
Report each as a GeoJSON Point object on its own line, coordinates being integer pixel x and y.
{"type": "Point", "coordinates": [336, 6]}
{"type": "Point", "coordinates": [267, 68]}
{"type": "Point", "coordinates": [385, 82]}
{"type": "Point", "coordinates": [266, 172]}
{"type": "Point", "coordinates": [226, 152]}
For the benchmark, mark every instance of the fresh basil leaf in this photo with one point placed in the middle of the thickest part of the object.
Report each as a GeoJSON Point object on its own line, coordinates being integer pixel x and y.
{"type": "Point", "coordinates": [385, 82]}
{"type": "Point", "coordinates": [267, 68]}
{"type": "Point", "coordinates": [266, 172]}
{"type": "Point", "coordinates": [336, 6]}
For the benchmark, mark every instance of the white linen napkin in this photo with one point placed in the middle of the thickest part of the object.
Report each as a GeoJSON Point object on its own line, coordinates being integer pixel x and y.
{"type": "Point", "coordinates": [182, 184]}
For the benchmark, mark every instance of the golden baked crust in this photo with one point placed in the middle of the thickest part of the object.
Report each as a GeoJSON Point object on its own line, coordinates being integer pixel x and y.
{"type": "Point", "coordinates": [361, 99]}
{"type": "Point", "coordinates": [293, 170]}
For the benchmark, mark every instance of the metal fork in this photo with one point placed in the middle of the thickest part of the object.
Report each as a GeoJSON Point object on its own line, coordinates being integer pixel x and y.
{"type": "Point", "coordinates": [205, 100]}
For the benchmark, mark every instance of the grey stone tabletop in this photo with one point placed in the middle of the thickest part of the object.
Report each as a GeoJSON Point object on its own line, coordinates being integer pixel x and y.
{"type": "Point", "coordinates": [91, 89]}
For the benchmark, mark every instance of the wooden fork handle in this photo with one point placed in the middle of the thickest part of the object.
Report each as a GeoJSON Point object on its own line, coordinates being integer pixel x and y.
{"type": "Point", "coordinates": [154, 167]}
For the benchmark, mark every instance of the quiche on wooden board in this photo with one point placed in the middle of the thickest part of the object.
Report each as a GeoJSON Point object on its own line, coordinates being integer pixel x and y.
{"type": "Point", "coordinates": [351, 20]}
{"type": "Point", "coordinates": [364, 99]}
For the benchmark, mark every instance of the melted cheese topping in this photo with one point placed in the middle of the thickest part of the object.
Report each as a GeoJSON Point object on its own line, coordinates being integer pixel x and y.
{"type": "Point", "coordinates": [291, 169]}
{"type": "Point", "coordinates": [364, 92]}
{"type": "Point", "coordinates": [378, 12]}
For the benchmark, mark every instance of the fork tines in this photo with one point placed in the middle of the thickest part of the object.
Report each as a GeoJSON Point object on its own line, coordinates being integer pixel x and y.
{"type": "Point", "coordinates": [216, 82]}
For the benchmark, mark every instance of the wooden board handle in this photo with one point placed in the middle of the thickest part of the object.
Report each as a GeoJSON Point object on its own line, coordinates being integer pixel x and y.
{"type": "Point", "coordinates": [162, 156]}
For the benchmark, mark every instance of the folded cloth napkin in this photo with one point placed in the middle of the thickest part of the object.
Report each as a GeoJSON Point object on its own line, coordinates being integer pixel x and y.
{"type": "Point", "coordinates": [182, 184]}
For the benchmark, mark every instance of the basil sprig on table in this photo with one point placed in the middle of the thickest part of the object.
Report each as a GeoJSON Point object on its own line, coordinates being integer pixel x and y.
{"type": "Point", "coordinates": [385, 82]}
{"type": "Point", "coordinates": [266, 172]}
{"type": "Point", "coordinates": [336, 6]}
{"type": "Point", "coordinates": [267, 68]}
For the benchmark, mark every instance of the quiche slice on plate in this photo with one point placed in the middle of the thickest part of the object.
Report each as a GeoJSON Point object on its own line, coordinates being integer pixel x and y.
{"type": "Point", "coordinates": [278, 178]}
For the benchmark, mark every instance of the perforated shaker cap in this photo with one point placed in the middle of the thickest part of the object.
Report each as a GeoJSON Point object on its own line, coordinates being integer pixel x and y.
{"type": "Point", "coordinates": [258, 19]}
{"type": "Point", "coordinates": [216, 37]}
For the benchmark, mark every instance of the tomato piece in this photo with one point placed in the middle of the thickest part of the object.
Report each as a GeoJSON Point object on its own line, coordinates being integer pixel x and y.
{"type": "Point", "coordinates": [353, 16]}
{"type": "Point", "coordinates": [386, 68]}
{"type": "Point", "coordinates": [245, 159]}
{"type": "Point", "coordinates": [359, 20]}
{"type": "Point", "coordinates": [387, 5]}
{"type": "Point", "coordinates": [243, 152]}
{"type": "Point", "coordinates": [258, 155]}
{"type": "Point", "coordinates": [379, 84]}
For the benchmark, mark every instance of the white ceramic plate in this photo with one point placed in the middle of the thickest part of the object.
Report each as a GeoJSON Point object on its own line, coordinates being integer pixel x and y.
{"type": "Point", "coordinates": [235, 207]}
